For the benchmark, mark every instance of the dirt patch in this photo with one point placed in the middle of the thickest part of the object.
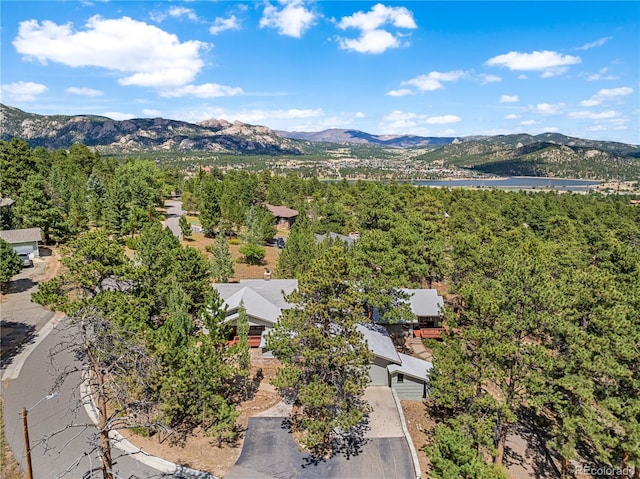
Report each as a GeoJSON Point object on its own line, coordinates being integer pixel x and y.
{"type": "Point", "coordinates": [242, 270]}
{"type": "Point", "coordinates": [202, 453]}
{"type": "Point", "coordinates": [420, 426]}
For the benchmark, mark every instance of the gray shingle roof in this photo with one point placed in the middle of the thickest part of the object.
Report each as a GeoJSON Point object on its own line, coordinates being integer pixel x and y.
{"type": "Point", "coordinates": [379, 342]}
{"type": "Point", "coordinates": [347, 239]}
{"type": "Point", "coordinates": [425, 302]}
{"type": "Point", "coordinates": [262, 299]}
{"type": "Point", "coordinates": [21, 236]}
{"type": "Point", "coordinates": [414, 367]}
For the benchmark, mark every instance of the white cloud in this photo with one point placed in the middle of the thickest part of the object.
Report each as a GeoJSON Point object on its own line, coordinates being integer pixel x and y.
{"type": "Point", "coordinates": [400, 92]}
{"type": "Point", "coordinates": [397, 115]}
{"type": "Point", "coordinates": [403, 122]}
{"type": "Point", "coordinates": [22, 91]}
{"type": "Point", "coordinates": [359, 114]}
{"type": "Point", "coordinates": [512, 116]}
{"type": "Point", "coordinates": [205, 90]}
{"type": "Point", "coordinates": [484, 78]}
{"type": "Point", "coordinates": [549, 62]}
{"type": "Point", "coordinates": [607, 94]}
{"type": "Point", "coordinates": [151, 112]}
{"type": "Point", "coordinates": [590, 102]}
{"type": "Point", "coordinates": [548, 108]}
{"type": "Point", "coordinates": [373, 38]}
{"type": "Point", "coordinates": [378, 16]}
{"type": "Point", "coordinates": [118, 116]}
{"type": "Point", "coordinates": [374, 41]}
{"type": "Point", "coordinates": [221, 24]}
{"type": "Point", "coordinates": [292, 20]}
{"type": "Point", "coordinates": [147, 55]}
{"type": "Point", "coordinates": [602, 75]}
{"type": "Point", "coordinates": [83, 91]}
{"type": "Point", "coordinates": [597, 43]}
{"type": "Point", "coordinates": [590, 115]}
{"type": "Point", "coordinates": [442, 120]}
{"type": "Point", "coordinates": [183, 12]}
{"type": "Point", "coordinates": [509, 99]}
{"type": "Point", "coordinates": [528, 122]}
{"type": "Point", "coordinates": [433, 80]}
{"type": "Point", "coordinates": [279, 114]}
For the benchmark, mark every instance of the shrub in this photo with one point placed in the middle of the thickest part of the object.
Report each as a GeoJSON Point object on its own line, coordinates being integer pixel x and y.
{"type": "Point", "coordinates": [253, 254]}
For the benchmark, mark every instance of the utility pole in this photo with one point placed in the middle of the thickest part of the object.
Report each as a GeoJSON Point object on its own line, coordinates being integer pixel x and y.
{"type": "Point", "coordinates": [26, 442]}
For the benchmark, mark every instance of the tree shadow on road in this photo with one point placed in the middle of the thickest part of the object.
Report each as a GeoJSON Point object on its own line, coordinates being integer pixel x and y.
{"type": "Point", "coordinates": [347, 444]}
{"type": "Point", "coordinates": [20, 285]}
{"type": "Point", "coordinates": [14, 337]}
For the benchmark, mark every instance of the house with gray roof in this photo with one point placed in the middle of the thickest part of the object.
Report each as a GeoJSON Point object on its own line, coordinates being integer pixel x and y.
{"type": "Point", "coordinates": [262, 299]}
{"type": "Point", "coordinates": [23, 241]}
{"type": "Point", "coordinates": [335, 236]}
{"type": "Point", "coordinates": [406, 375]}
{"type": "Point", "coordinates": [427, 306]}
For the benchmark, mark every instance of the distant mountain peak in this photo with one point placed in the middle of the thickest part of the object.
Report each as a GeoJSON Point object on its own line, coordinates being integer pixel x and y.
{"type": "Point", "coordinates": [142, 134]}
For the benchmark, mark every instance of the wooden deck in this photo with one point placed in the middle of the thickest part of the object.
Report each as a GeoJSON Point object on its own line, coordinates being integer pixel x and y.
{"type": "Point", "coordinates": [428, 333]}
{"type": "Point", "coordinates": [254, 341]}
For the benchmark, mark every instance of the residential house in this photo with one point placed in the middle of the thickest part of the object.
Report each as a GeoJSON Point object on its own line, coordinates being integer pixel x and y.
{"type": "Point", "coordinates": [285, 217]}
{"type": "Point", "coordinates": [262, 299]}
{"type": "Point", "coordinates": [335, 236]}
{"type": "Point", "coordinates": [427, 307]}
{"type": "Point", "coordinates": [23, 241]}
{"type": "Point", "coordinates": [406, 375]}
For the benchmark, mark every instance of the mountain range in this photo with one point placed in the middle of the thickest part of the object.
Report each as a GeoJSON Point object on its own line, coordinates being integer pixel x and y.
{"type": "Point", "coordinates": [146, 134]}
{"type": "Point", "coordinates": [547, 154]}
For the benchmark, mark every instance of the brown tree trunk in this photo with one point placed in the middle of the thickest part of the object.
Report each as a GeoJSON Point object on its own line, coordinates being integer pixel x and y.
{"type": "Point", "coordinates": [565, 468]}
{"type": "Point", "coordinates": [99, 397]}
{"type": "Point", "coordinates": [636, 472]}
{"type": "Point", "coordinates": [502, 439]}
{"type": "Point", "coordinates": [625, 465]}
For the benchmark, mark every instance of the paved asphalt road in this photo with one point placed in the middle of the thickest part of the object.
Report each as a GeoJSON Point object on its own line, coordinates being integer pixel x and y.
{"type": "Point", "coordinates": [174, 212]}
{"type": "Point", "coordinates": [20, 319]}
{"type": "Point", "coordinates": [269, 452]}
{"type": "Point", "coordinates": [68, 455]}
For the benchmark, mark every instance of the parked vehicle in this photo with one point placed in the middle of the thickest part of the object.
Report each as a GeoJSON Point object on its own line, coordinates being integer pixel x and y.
{"type": "Point", "coordinates": [27, 262]}
{"type": "Point", "coordinates": [280, 242]}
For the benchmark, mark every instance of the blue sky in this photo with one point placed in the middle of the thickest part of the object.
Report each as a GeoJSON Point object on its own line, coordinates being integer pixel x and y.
{"type": "Point", "coordinates": [412, 67]}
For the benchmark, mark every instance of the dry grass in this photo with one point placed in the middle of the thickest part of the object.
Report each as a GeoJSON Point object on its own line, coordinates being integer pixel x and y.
{"type": "Point", "coordinates": [242, 270]}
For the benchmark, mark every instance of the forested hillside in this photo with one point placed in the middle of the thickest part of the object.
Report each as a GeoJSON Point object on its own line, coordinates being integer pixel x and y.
{"type": "Point", "coordinates": [542, 293]}
{"type": "Point", "coordinates": [548, 154]}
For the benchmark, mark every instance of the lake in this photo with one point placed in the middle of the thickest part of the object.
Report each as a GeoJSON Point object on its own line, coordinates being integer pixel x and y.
{"type": "Point", "coordinates": [517, 183]}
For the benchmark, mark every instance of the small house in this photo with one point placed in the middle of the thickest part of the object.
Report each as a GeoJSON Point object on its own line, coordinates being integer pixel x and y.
{"type": "Point", "coordinates": [406, 375]}
{"type": "Point", "coordinates": [427, 307]}
{"type": "Point", "coordinates": [24, 241]}
{"type": "Point", "coordinates": [285, 217]}
{"type": "Point", "coordinates": [263, 301]}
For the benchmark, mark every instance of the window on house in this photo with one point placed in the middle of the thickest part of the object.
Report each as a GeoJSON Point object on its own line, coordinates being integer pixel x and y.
{"type": "Point", "coordinates": [400, 378]}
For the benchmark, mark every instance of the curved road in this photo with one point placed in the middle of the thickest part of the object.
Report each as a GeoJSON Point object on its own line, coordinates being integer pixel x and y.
{"type": "Point", "coordinates": [68, 453]}
{"type": "Point", "coordinates": [173, 214]}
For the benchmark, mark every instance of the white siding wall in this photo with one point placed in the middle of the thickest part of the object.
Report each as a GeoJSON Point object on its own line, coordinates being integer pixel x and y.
{"type": "Point", "coordinates": [378, 372]}
{"type": "Point", "coordinates": [410, 388]}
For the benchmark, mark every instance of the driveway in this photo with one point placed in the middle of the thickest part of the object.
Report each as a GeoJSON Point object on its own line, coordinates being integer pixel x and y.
{"type": "Point", "coordinates": [20, 319]}
{"type": "Point", "coordinates": [173, 214]}
{"type": "Point", "coordinates": [269, 451]}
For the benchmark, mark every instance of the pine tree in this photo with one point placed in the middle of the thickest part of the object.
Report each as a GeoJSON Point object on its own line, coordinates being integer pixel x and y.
{"type": "Point", "coordinates": [10, 262]}
{"type": "Point", "coordinates": [244, 359]}
{"type": "Point", "coordinates": [222, 261]}
{"type": "Point", "coordinates": [325, 359]}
